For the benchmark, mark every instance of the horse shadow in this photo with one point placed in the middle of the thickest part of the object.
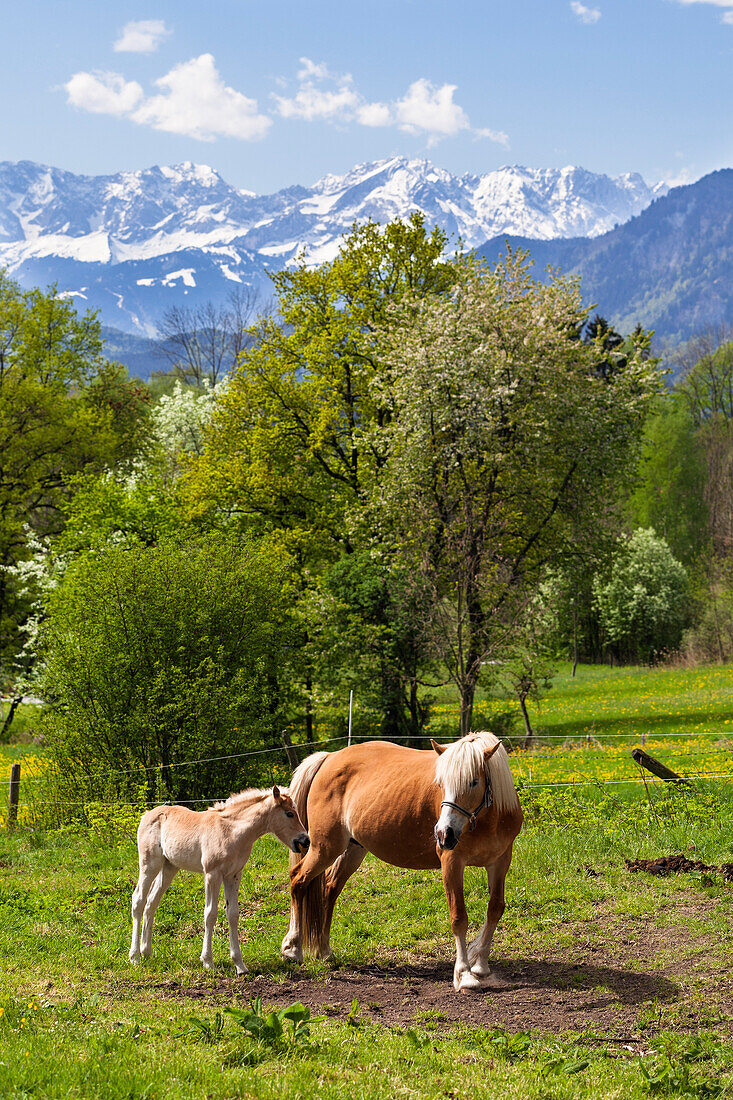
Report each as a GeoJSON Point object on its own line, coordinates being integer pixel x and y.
{"type": "Point", "coordinates": [510, 976]}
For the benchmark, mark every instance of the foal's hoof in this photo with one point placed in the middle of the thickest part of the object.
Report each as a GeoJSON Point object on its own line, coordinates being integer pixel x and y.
{"type": "Point", "coordinates": [292, 954]}
{"type": "Point", "coordinates": [467, 983]}
{"type": "Point", "coordinates": [134, 956]}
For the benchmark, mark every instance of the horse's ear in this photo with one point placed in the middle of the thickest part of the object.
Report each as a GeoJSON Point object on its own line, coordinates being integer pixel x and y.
{"type": "Point", "coordinates": [440, 749]}
{"type": "Point", "coordinates": [276, 793]}
{"type": "Point", "coordinates": [490, 752]}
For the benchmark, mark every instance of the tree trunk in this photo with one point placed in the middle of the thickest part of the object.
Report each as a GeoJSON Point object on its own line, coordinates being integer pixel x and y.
{"type": "Point", "coordinates": [528, 731]}
{"type": "Point", "coordinates": [5, 731]}
{"type": "Point", "coordinates": [468, 691]}
{"type": "Point", "coordinates": [309, 708]}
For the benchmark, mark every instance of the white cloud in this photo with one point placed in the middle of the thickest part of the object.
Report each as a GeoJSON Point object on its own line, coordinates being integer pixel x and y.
{"type": "Point", "coordinates": [331, 97]}
{"type": "Point", "coordinates": [584, 14]}
{"type": "Point", "coordinates": [312, 102]}
{"type": "Point", "coordinates": [430, 110]}
{"type": "Point", "coordinates": [727, 5]}
{"type": "Point", "coordinates": [103, 93]}
{"type": "Point", "coordinates": [141, 36]}
{"type": "Point", "coordinates": [493, 135]}
{"type": "Point", "coordinates": [194, 101]}
{"type": "Point", "coordinates": [374, 114]}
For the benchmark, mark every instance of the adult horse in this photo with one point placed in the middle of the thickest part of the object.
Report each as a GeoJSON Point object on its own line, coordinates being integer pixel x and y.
{"type": "Point", "coordinates": [448, 809]}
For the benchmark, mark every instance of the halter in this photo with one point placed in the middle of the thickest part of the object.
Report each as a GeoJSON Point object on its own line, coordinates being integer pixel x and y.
{"type": "Point", "coordinates": [472, 815]}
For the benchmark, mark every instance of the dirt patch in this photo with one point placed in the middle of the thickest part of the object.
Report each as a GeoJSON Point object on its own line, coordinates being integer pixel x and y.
{"type": "Point", "coordinates": [522, 993]}
{"type": "Point", "coordinates": [622, 976]}
{"type": "Point", "coordinates": [679, 864]}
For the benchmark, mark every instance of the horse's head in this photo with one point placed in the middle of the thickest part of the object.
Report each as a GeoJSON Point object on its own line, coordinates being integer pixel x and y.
{"type": "Point", "coordinates": [286, 824]}
{"type": "Point", "coordinates": [462, 773]}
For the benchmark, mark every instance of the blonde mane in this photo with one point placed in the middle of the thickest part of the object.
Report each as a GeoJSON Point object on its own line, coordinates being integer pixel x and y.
{"type": "Point", "coordinates": [243, 798]}
{"type": "Point", "coordinates": [463, 761]}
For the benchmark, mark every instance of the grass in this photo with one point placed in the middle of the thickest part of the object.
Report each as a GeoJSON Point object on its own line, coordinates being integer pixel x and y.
{"type": "Point", "coordinates": [604, 702]}
{"type": "Point", "coordinates": [78, 1020]}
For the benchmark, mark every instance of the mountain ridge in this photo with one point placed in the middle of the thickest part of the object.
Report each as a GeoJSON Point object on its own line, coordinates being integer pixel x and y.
{"type": "Point", "coordinates": [132, 244]}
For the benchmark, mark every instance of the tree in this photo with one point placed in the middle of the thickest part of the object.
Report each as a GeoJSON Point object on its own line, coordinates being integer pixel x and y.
{"type": "Point", "coordinates": [288, 450]}
{"type": "Point", "coordinates": [162, 654]}
{"type": "Point", "coordinates": [57, 418]}
{"type": "Point", "coordinates": [504, 438]}
{"type": "Point", "coordinates": [670, 495]}
{"type": "Point", "coordinates": [203, 345]}
{"type": "Point", "coordinates": [288, 445]}
{"type": "Point", "coordinates": [643, 604]}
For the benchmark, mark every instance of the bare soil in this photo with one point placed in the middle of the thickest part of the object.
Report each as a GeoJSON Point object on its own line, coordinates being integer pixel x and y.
{"type": "Point", "coordinates": [635, 976]}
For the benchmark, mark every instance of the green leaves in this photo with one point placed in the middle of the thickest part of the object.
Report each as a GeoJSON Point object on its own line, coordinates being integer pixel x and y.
{"type": "Point", "coordinates": [278, 1028]}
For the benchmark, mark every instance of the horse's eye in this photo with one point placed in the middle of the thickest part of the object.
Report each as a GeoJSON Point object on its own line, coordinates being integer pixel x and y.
{"type": "Point", "coordinates": [474, 783]}
{"type": "Point", "coordinates": [289, 813]}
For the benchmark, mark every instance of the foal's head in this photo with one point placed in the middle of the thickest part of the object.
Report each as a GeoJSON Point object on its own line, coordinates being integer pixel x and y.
{"type": "Point", "coordinates": [286, 824]}
{"type": "Point", "coordinates": [462, 771]}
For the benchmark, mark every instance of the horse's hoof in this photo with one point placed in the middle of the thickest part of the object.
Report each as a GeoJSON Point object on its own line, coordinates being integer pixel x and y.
{"type": "Point", "coordinates": [480, 972]}
{"type": "Point", "coordinates": [467, 983]}
{"type": "Point", "coordinates": [291, 954]}
{"type": "Point", "coordinates": [134, 956]}
{"type": "Point", "coordinates": [206, 964]}
{"type": "Point", "coordinates": [240, 969]}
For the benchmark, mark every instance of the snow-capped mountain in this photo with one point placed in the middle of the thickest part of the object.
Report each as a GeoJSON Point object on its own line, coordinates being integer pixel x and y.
{"type": "Point", "coordinates": [135, 243]}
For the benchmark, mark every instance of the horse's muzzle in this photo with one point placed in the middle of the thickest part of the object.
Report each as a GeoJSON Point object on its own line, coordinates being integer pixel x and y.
{"type": "Point", "coordinates": [301, 843]}
{"type": "Point", "coordinates": [446, 839]}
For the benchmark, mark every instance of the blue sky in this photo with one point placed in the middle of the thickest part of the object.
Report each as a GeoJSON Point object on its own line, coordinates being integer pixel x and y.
{"type": "Point", "coordinates": [274, 92]}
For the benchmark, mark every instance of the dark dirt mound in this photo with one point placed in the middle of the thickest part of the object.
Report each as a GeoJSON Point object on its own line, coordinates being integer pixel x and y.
{"type": "Point", "coordinates": [679, 864]}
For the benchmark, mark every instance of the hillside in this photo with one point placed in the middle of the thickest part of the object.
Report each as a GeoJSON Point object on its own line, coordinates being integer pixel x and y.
{"type": "Point", "coordinates": [670, 268]}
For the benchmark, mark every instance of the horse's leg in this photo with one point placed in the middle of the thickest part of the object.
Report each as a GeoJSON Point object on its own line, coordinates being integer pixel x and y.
{"type": "Point", "coordinates": [308, 911]}
{"type": "Point", "coordinates": [336, 878]}
{"type": "Point", "coordinates": [478, 951]}
{"type": "Point", "coordinates": [212, 888]}
{"type": "Point", "coordinates": [452, 871]}
{"type": "Point", "coordinates": [231, 898]}
{"type": "Point", "coordinates": [165, 877]}
{"type": "Point", "coordinates": [148, 873]}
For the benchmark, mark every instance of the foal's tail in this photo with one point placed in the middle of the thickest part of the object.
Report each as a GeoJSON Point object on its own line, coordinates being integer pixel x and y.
{"type": "Point", "coordinates": [310, 902]}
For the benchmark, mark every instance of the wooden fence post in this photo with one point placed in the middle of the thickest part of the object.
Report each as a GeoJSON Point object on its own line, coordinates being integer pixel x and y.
{"type": "Point", "coordinates": [13, 796]}
{"type": "Point", "coordinates": [656, 767]}
{"type": "Point", "coordinates": [290, 750]}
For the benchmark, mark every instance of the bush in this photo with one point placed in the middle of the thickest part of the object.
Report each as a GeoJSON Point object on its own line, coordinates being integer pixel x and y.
{"type": "Point", "coordinates": [643, 606]}
{"type": "Point", "coordinates": [155, 656]}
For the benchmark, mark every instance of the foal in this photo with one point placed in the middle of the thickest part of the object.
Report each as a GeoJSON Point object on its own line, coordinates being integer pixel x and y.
{"type": "Point", "coordinates": [217, 843]}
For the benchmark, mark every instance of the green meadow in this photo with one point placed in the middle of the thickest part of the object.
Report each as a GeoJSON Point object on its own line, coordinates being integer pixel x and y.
{"type": "Point", "coordinates": [609, 983]}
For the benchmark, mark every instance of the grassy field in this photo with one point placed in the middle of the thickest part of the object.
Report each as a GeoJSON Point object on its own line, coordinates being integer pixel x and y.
{"type": "Point", "coordinates": [608, 983]}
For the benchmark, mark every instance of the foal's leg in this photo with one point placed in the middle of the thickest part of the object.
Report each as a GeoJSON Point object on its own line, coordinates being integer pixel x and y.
{"type": "Point", "coordinates": [165, 877]}
{"type": "Point", "coordinates": [336, 878]}
{"type": "Point", "coordinates": [478, 951]}
{"type": "Point", "coordinates": [231, 899]}
{"type": "Point", "coordinates": [148, 874]}
{"type": "Point", "coordinates": [317, 860]}
{"type": "Point", "coordinates": [212, 887]}
{"type": "Point", "coordinates": [452, 870]}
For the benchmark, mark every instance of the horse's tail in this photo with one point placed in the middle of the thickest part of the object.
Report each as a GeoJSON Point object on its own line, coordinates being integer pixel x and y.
{"type": "Point", "coordinates": [502, 781]}
{"type": "Point", "coordinates": [300, 784]}
{"type": "Point", "coordinates": [310, 902]}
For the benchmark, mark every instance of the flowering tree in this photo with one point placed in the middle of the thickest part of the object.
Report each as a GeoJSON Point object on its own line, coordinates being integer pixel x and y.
{"type": "Point", "coordinates": [505, 439]}
{"type": "Point", "coordinates": [643, 603]}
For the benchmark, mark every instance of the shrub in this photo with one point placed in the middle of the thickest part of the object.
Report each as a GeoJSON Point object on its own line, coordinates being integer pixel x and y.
{"type": "Point", "coordinates": [155, 656]}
